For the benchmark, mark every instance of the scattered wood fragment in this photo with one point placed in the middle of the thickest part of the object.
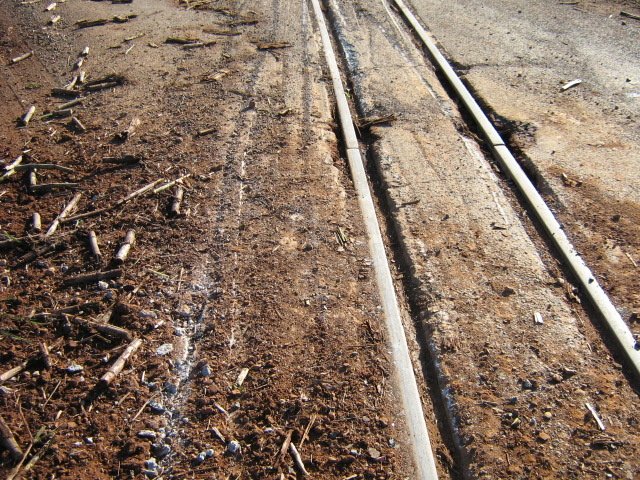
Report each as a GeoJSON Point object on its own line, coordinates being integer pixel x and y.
{"type": "Point", "coordinates": [38, 252]}
{"type": "Point", "coordinates": [176, 202]}
{"type": "Point", "coordinates": [205, 131]}
{"type": "Point", "coordinates": [113, 78]}
{"type": "Point", "coordinates": [242, 377]}
{"type": "Point", "coordinates": [54, 19]}
{"type": "Point", "coordinates": [45, 356]}
{"type": "Point", "coordinates": [71, 103]}
{"type": "Point", "coordinates": [376, 120]}
{"type": "Point", "coordinates": [171, 183]}
{"type": "Point", "coordinates": [67, 112]}
{"type": "Point", "coordinates": [65, 212]}
{"type": "Point", "coordinates": [273, 45]}
{"type": "Point", "coordinates": [103, 21]}
{"type": "Point", "coordinates": [630, 15]}
{"type": "Point", "coordinates": [12, 372]}
{"type": "Point", "coordinates": [47, 187]}
{"type": "Point", "coordinates": [93, 246]}
{"type": "Point", "coordinates": [21, 57]}
{"type": "Point", "coordinates": [104, 328]}
{"type": "Point", "coordinates": [50, 7]}
{"type": "Point", "coordinates": [94, 277]}
{"type": "Point", "coordinates": [43, 166]}
{"type": "Point", "coordinates": [65, 92]}
{"type": "Point", "coordinates": [101, 86]}
{"type": "Point", "coordinates": [123, 251]}
{"type": "Point", "coordinates": [8, 441]}
{"type": "Point", "coordinates": [570, 84]}
{"type": "Point", "coordinates": [133, 37]}
{"type": "Point", "coordinates": [77, 124]}
{"type": "Point", "coordinates": [243, 21]}
{"type": "Point", "coordinates": [36, 222]}
{"type": "Point", "coordinates": [14, 164]}
{"type": "Point", "coordinates": [305, 435]}
{"type": "Point", "coordinates": [72, 310]}
{"type": "Point", "coordinates": [33, 180]}
{"type": "Point", "coordinates": [221, 31]}
{"type": "Point", "coordinates": [126, 52]}
{"type": "Point", "coordinates": [189, 46]}
{"type": "Point", "coordinates": [124, 135]}
{"type": "Point", "coordinates": [216, 76]}
{"type": "Point", "coordinates": [126, 159]}
{"type": "Point", "coordinates": [285, 446]}
{"type": "Point", "coordinates": [119, 364]}
{"type": "Point", "coordinates": [26, 118]}
{"type": "Point", "coordinates": [297, 460]}
{"type": "Point", "coordinates": [182, 40]}
{"type": "Point", "coordinates": [595, 416]}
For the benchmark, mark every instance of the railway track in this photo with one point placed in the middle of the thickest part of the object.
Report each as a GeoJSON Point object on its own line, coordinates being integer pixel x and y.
{"type": "Point", "coordinates": [622, 342]}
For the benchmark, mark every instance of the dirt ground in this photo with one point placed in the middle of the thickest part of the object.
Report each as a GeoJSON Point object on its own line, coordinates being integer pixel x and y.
{"type": "Point", "coordinates": [255, 301]}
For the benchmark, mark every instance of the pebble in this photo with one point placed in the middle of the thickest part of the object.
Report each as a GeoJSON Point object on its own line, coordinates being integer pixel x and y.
{"type": "Point", "coordinates": [160, 450]}
{"type": "Point", "coordinates": [156, 407]}
{"type": "Point", "coordinates": [209, 452]}
{"type": "Point", "coordinates": [544, 437]}
{"type": "Point", "coordinates": [149, 434]}
{"type": "Point", "coordinates": [147, 314]}
{"type": "Point", "coordinates": [102, 285]}
{"type": "Point", "coordinates": [164, 349]}
{"type": "Point", "coordinates": [170, 388]}
{"type": "Point", "coordinates": [88, 440]}
{"type": "Point", "coordinates": [205, 370]}
{"type": "Point", "coordinates": [373, 453]}
{"type": "Point", "coordinates": [233, 448]}
{"type": "Point", "coordinates": [151, 464]}
{"type": "Point", "coordinates": [547, 415]}
{"type": "Point", "coordinates": [184, 311]}
{"type": "Point", "coordinates": [199, 458]}
{"type": "Point", "coordinates": [74, 368]}
{"type": "Point", "coordinates": [392, 442]}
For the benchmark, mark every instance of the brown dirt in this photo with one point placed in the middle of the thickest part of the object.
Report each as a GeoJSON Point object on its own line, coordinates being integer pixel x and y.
{"type": "Point", "coordinates": [251, 277]}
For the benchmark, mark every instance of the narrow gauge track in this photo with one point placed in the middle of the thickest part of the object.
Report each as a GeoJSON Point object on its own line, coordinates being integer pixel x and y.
{"type": "Point", "coordinates": [625, 342]}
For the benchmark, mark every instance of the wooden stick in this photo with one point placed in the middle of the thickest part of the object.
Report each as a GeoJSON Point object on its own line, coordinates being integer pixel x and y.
{"type": "Point", "coordinates": [70, 206]}
{"type": "Point", "coordinates": [71, 103]}
{"type": "Point", "coordinates": [36, 222]}
{"type": "Point", "coordinates": [43, 166]}
{"type": "Point", "coordinates": [107, 329]}
{"type": "Point", "coordinates": [297, 460]}
{"type": "Point", "coordinates": [93, 246]}
{"type": "Point", "coordinates": [64, 92]}
{"type": "Point", "coordinates": [21, 57]}
{"type": "Point", "coordinates": [78, 124]}
{"type": "Point", "coordinates": [44, 354]}
{"type": "Point", "coordinates": [33, 254]}
{"type": "Point", "coordinates": [9, 374]}
{"type": "Point", "coordinates": [45, 187]}
{"type": "Point", "coordinates": [118, 365]}
{"type": "Point", "coordinates": [8, 441]}
{"type": "Point", "coordinates": [171, 183]}
{"type": "Point", "coordinates": [123, 160]}
{"type": "Point", "coordinates": [123, 251]}
{"type": "Point", "coordinates": [26, 118]}
{"type": "Point", "coordinates": [101, 86]}
{"type": "Point", "coordinates": [33, 180]}
{"type": "Point", "coordinates": [92, 277]}
{"type": "Point", "coordinates": [54, 19]}
{"type": "Point", "coordinates": [177, 201]}
{"type": "Point", "coordinates": [120, 202]}
{"type": "Point", "coordinates": [67, 112]}
{"type": "Point", "coordinates": [14, 164]}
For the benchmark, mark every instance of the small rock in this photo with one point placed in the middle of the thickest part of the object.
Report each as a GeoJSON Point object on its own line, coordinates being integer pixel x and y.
{"type": "Point", "coordinates": [373, 453]}
{"type": "Point", "coordinates": [157, 408]}
{"type": "Point", "coordinates": [184, 311]}
{"type": "Point", "coordinates": [74, 368]}
{"type": "Point", "coordinates": [209, 453]}
{"type": "Point", "coordinates": [170, 388]}
{"type": "Point", "coordinates": [556, 378]}
{"type": "Point", "coordinates": [102, 285]}
{"type": "Point", "coordinates": [544, 437]}
{"type": "Point", "coordinates": [145, 314]}
{"type": "Point", "coordinates": [233, 448]}
{"type": "Point", "coordinates": [164, 349]}
{"type": "Point", "coordinates": [508, 291]}
{"type": "Point", "coordinates": [148, 434]}
{"type": "Point", "coordinates": [88, 440]}
{"type": "Point", "coordinates": [547, 415]}
{"type": "Point", "coordinates": [392, 442]}
{"type": "Point", "coordinates": [160, 450]}
{"type": "Point", "coordinates": [201, 457]}
{"type": "Point", "coordinates": [108, 295]}
{"type": "Point", "coordinates": [527, 385]}
{"type": "Point", "coordinates": [151, 464]}
{"type": "Point", "coordinates": [205, 370]}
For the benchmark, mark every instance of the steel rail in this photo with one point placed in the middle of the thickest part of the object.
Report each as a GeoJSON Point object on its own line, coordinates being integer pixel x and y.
{"type": "Point", "coordinates": [408, 387]}
{"type": "Point", "coordinates": [599, 299]}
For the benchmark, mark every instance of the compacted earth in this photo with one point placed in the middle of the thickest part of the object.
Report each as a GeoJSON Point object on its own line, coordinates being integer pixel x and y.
{"type": "Point", "coordinates": [186, 288]}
